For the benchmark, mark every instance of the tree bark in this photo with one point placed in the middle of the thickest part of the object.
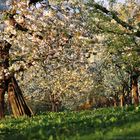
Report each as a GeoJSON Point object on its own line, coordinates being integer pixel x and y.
{"type": "Point", "coordinates": [55, 103]}
{"type": "Point", "coordinates": [115, 100]}
{"type": "Point", "coordinates": [1, 103]}
{"type": "Point", "coordinates": [9, 84]}
{"type": "Point", "coordinates": [134, 91]}
{"type": "Point", "coordinates": [16, 100]}
{"type": "Point", "coordinates": [4, 64]}
{"type": "Point", "coordinates": [122, 100]}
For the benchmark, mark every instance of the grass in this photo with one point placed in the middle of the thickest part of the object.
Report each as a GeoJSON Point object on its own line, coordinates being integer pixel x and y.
{"type": "Point", "coordinates": [100, 124]}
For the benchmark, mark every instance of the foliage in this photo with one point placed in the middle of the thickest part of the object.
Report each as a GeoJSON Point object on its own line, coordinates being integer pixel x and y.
{"type": "Point", "coordinates": [119, 41]}
{"type": "Point", "coordinates": [52, 51]}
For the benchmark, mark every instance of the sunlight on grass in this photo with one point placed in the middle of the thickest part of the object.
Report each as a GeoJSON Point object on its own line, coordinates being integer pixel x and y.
{"type": "Point", "coordinates": [96, 124]}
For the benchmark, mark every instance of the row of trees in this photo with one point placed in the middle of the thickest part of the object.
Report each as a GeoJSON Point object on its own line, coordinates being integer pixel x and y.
{"type": "Point", "coordinates": [71, 49]}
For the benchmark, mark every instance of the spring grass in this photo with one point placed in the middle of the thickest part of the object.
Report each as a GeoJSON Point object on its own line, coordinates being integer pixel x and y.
{"type": "Point", "coordinates": [99, 124]}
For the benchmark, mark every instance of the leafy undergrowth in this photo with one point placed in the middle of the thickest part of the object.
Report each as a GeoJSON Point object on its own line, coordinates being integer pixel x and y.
{"type": "Point", "coordinates": [97, 124]}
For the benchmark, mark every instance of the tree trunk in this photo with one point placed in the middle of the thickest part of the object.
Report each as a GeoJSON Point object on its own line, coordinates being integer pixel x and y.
{"type": "Point", "coordinates": [115, 100]}
{"type": "Point", "coordinates": [134, 91]}
{"type": "Point", "coordinates": [4, 64]}
{"type": "Point", "coordinates": [8, 83]}
{"type": "Point", "coordinates": [16, 100]}
{"type": "Point", "coordinates": [1, 103]}
{"type": "Point", "coordinates": [122, 100]}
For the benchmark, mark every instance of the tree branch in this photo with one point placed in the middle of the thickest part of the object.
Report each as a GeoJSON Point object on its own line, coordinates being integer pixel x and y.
{"type": "Point", "coordinates": [116, 18]}
{"type": "Point", "coordinates": [111, 31]}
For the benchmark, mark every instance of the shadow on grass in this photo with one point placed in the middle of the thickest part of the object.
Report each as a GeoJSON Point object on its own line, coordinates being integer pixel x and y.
{"type": "Point", "coordinates": [73, 128]}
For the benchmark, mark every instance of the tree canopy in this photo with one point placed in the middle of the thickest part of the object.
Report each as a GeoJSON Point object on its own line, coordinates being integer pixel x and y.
{"type": "Point", "coordinates": [72, 49]}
